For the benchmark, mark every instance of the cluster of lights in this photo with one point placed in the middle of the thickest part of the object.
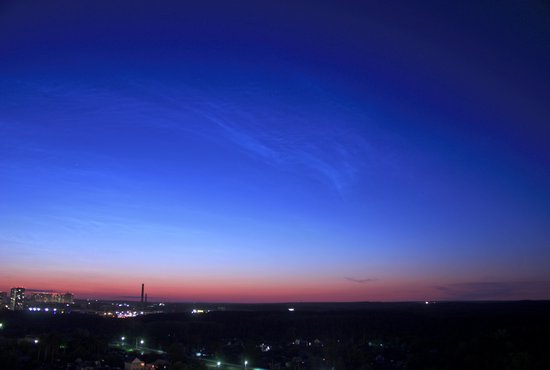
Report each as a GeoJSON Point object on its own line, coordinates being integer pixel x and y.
{"type": "Point", "coordinates": [122, 304]}
{"type": "Point", "coordinates": [198, 311]}
{"type": "Point", "coordinates": [33, 309]}
{"type": "Point", "coordinates": [307, 343]}
{"type": "Point", "coordinates": [219, 363]}
{"type": "Point", "coordinates": [123, 314]}
{"type": "Point", "coordinates": [141, 341]}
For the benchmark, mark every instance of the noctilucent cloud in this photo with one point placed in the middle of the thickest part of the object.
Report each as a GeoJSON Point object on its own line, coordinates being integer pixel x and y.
{"type": "Point", "coordinates": [271, 151]}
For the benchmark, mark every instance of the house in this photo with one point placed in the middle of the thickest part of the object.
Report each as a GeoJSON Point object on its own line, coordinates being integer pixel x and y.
{"type": "Point", "coordinates": [137, 364]}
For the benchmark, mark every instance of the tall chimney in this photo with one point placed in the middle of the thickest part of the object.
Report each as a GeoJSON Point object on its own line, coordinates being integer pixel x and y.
{"type": "Point", "coordinates": [142, 291]}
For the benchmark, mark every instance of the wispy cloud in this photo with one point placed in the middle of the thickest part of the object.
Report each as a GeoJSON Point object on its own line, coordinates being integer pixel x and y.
{"type": "Point", "coordinates": [304, 141]}
{"type": "Point", "coordinates": [360, 281]}
{"type": "Point", "coordinates": [330, 153]}
{"type": "Point", "coordinates": [247, 141]}
{"type": "Point", "coordinates": [483, 290]}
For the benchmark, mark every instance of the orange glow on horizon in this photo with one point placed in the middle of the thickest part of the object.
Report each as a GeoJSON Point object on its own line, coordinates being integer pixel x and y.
{"type": "Point", "coordinates": [237, 291]}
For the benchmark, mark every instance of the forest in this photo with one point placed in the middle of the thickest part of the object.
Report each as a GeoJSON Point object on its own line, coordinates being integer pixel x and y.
{"type": "Point", "coordinates": [467, 335]}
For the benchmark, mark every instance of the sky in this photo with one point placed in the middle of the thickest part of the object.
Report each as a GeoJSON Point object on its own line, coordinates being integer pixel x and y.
{"type": "Point", "coordinates": [276, 151]}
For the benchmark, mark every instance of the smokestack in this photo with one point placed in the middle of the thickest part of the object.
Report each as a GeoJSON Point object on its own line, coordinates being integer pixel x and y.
{"type": "Point", "coordinates": [142, 291]}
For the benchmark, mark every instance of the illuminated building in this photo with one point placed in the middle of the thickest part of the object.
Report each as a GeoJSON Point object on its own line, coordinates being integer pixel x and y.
{"type": "Point", "coordinates": [48, 297]}
{"type": "Point", "coordinates": [41, 297]}
{"type": "Point", "coordinates": [17, 297]}
{"type": "Point", "coordinates": [66, 298]}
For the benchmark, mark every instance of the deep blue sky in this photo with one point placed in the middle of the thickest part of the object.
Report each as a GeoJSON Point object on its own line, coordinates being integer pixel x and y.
{"type": "Point", "coordinates": [276, 150]}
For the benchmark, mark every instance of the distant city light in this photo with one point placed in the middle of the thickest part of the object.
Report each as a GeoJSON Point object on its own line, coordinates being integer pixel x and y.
{"type": "Point", "coordinates": [36, 341]}
{"type": "Point", "coordinates": [291, 309]}
{"type": "Point", "coordinates": [122, 338]}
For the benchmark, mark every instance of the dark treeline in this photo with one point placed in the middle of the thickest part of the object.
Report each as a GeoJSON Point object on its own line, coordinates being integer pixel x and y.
{"type": "Point", "coordinates": [508, 335]}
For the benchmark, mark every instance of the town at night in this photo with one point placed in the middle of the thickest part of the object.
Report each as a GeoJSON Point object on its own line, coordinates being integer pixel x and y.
{"type": "Point", "coordinates": [274, 184]}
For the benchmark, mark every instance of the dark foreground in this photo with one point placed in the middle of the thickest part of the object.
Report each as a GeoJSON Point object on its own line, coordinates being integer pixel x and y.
{"type": "Point", "coordinates": [505, 335]}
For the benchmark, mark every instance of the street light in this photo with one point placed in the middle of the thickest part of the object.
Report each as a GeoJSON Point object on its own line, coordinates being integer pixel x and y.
{"type": "Point", "coordinates": [141, 342]}
{"type": "Point", "coordinates": [245, 363]}
{"type": "Point", "coordinates": [122, 338]}
{"type": "Point", "coordinates": [218, 364]}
